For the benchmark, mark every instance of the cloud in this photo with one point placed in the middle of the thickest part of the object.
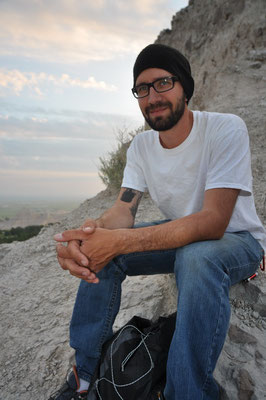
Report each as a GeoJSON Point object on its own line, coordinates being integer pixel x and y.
{"type": "Point", "coordinates": [74, 157]}
{"type": "Point", "coordinates": [48, 174]}
{"type": "Point", "coordinates": [64, 125]}
{"type": "Point", "coordinates": [17, 81]}
{"type": "Point", "coordinates": [69, 31]}
{"type": "Point", "coordinates": [69, 38]}
{"type": "Point", "coordinates": [9, 161]}
{"type": "Point", "coordinates": [45, 143]}
{"type": "Point", "coordinates": [146, 7]}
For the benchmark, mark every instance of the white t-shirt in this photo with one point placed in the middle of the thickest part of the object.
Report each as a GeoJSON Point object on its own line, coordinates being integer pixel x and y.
{"type": "Point", "coordinates": [216, 154]}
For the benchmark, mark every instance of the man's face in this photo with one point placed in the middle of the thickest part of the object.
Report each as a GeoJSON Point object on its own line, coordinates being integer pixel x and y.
{"type": "Point", "coordinates": [162, 111]}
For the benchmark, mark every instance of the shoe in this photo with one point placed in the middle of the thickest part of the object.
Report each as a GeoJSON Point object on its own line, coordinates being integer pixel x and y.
{"type": "Point", "coordinates": [157, 394]}
{"type": "Point", "coordinates": [69, 389]}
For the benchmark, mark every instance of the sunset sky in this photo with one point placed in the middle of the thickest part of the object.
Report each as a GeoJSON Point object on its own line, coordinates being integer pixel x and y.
{"type": "Point", "coordinates": [65, 80]}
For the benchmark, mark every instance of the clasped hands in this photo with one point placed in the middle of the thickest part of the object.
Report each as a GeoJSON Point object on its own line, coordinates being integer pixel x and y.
{"type": "Point", "coordinates": [87, 251]}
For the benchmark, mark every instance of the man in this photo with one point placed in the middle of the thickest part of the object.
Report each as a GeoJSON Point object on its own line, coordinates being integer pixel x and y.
{"type": "Point", "coordinates": [196, 167]}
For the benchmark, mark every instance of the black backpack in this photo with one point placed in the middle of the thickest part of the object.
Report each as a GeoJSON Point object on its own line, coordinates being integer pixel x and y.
{"type": "Point", "coordinates": [133, 361]}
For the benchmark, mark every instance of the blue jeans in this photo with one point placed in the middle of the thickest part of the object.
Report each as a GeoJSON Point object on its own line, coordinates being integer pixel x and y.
{"type": "Point", "coordinates": [204, 272]}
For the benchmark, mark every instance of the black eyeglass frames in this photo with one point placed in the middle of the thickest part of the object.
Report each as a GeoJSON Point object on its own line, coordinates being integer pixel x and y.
{"type": "Point", "coordinates": [160, 85]}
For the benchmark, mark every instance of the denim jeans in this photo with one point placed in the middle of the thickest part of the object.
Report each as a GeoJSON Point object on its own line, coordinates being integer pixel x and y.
{"type": "Point", "coordinates": [204, 272]}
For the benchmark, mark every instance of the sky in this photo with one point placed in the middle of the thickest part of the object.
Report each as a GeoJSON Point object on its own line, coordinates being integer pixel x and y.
{"type": "Point", "coordinates": [65, 80]}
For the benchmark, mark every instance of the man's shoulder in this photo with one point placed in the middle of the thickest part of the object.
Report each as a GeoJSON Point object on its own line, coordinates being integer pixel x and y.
{"type": "Point", "coordinates": [213, 126]}
{"type": "Point", "coordinates": [219, 119]}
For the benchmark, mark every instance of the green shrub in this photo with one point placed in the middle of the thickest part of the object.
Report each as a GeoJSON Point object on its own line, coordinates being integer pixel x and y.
{"type": "Point", "coordinates": [112, 166]}
{"type": "Point", "coordinates": [20, 234]}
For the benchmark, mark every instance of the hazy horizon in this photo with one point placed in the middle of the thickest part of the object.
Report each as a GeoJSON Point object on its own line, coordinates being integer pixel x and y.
{"type": "Point", "coordinates": [57, 198]}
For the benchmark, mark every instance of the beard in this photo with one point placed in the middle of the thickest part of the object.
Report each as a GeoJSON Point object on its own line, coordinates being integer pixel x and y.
{"type": "Point", "coordinates": [168, 122]}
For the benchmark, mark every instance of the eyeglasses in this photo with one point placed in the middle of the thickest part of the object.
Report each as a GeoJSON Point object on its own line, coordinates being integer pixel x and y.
{"type": "Point", "coordinates": [159, 85]}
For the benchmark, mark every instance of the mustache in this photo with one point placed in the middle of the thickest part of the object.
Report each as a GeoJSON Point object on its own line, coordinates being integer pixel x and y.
{"type": "Point", "coordinates": [157, 105]}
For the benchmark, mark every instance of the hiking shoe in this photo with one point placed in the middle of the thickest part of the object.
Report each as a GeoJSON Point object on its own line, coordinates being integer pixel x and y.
{"type": "Point", "coordinates": [68, 390]}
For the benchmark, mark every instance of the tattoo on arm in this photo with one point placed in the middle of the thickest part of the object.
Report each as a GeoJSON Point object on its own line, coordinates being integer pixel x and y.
{"type": "Point", "coordinates": [134, 207]}
{"type": "Point", "coordinates": [128, 195]}
{"type": "Point", "coordinates": [132, 196]}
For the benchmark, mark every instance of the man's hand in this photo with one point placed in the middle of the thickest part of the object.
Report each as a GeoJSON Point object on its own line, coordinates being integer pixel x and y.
{"type": "Point", "coordinates": [99, 248]}
{"type": "Point", "coordinates": [71, 258]}
{"type": "Point", "coordinates": [79, 261]}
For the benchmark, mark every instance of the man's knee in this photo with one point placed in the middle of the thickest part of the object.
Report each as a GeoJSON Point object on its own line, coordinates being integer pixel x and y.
{"type": "Point", "coordinates": [112, 270]}
{"type": "Point", "coordinates": [200, 261]}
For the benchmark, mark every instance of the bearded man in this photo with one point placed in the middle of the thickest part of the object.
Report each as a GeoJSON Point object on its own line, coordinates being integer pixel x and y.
{"type": "Point", "coordinates": [196, 167]}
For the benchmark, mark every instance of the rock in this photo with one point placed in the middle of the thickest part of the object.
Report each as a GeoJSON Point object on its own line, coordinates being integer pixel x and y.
{"type": "Point", "coordinates": [245, 385]}
{"type": "Point", "coordinates": [237, 335]}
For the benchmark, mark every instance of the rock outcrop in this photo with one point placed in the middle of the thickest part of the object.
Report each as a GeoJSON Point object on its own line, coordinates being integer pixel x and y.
{"type": "Point", "coordinates": [225, 41]}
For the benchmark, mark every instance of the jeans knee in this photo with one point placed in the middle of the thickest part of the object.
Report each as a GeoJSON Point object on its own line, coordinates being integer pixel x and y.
{"type": "Point", "coordinates": [198, 263]}
{"type": "Point", "coordinates": [112, 271]}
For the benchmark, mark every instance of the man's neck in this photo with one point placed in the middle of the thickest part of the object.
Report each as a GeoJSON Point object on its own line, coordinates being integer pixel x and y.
{"type": "Point", "coordinates": [178, 134]}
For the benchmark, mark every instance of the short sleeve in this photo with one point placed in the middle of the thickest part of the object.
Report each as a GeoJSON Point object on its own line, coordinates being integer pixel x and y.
{"type": "Point", "coordinates": [133, 174]}
{"type": "Point", "coordinates": [229, 163]}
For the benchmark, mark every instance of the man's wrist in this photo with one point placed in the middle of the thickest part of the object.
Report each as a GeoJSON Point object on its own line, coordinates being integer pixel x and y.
{"type": "Point", "coordinates": [127, 240]}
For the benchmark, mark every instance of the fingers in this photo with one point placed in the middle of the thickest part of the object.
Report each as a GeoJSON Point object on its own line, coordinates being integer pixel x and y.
{"type": "Point", "coordinates": [74, 234]}
{"type": "Point", "coordinates": [70, 257]}
{"type": "Point", "coordinates": [72, 251]}
{"type": "Point", "coordinates": [86, 229]}
{"type": "Point", "coordinates": [78, 271]}
{"type": "Point", "coordinates": [91, 224]}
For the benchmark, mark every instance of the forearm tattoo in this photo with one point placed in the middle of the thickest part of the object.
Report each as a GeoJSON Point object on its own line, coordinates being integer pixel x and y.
{"type": "Point", "coordinates": [132, 196]}
{"type": "Point", "coordinates": [128, 195]}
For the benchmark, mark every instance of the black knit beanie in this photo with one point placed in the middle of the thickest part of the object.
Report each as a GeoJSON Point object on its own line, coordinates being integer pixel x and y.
{"type": "Point", "coordinates": [168, 58]}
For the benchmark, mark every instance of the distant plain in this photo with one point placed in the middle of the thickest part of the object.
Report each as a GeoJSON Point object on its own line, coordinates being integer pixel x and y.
{"type": "Point", "coordinates": [34, 211]}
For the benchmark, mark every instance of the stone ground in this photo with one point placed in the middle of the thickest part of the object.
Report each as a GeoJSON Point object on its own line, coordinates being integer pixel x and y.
{"type": "Point", "coordinates": [36, 304]}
